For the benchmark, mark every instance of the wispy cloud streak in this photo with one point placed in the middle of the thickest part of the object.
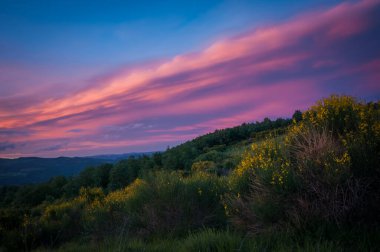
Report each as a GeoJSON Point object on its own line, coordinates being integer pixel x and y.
{"type": "Point", "coordinates": [269, 71]}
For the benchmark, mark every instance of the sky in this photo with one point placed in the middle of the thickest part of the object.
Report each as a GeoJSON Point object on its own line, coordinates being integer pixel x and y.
{"type": "Point", "coordinates": [81, 78]}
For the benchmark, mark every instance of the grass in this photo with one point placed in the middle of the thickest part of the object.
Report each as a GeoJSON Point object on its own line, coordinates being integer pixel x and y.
{"type": "Point", "coordinates": [210, 240]}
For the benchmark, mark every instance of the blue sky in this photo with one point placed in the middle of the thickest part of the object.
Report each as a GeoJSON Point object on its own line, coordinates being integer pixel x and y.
{"type": "Point", "coordinates": [97, 77]}
{"type": "Point", "coordinates": [105, 34]}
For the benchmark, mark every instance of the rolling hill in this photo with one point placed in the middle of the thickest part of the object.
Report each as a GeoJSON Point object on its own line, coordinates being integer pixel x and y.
{"type": "Point", "coordinates": [30, 170]}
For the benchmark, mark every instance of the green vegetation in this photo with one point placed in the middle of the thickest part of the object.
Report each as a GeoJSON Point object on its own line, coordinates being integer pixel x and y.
{"type": "Point", "coordinates": [306, 184]}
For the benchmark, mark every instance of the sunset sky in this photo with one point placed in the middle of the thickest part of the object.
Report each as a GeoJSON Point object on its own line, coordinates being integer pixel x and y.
{"type": "Point", "coordinates": [83, 78]}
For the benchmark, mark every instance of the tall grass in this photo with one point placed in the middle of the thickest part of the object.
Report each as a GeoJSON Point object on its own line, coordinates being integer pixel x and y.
{"type": "Point", "coordinates": [210, 240]}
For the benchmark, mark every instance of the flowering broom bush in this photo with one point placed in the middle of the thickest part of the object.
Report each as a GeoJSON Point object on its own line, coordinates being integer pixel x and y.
{"type": "Point", "coordinates": [325, 169]}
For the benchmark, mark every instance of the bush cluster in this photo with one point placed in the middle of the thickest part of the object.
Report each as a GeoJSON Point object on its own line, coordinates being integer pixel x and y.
{"type": "Point", "coordinates": [324, 170]}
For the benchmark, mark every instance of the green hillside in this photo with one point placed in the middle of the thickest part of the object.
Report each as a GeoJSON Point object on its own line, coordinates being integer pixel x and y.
{"type": "Point", "coordinates": [310, 183]}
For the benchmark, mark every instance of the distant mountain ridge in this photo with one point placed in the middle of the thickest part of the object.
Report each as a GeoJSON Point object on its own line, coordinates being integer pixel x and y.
{"type": "Point", "coordinates": [28, 170]}
{"type": "Point", "coordinates": [117, 157]}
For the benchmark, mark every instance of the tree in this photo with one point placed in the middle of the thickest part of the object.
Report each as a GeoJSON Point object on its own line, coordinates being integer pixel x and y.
{"type": "Point", "coordinates": [297, 116]}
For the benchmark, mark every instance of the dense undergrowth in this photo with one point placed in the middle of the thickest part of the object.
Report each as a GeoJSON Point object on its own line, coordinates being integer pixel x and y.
{"type": "Point", "coordinates": [307, 185]}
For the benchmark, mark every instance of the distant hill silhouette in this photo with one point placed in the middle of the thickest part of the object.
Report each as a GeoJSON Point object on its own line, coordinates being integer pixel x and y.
{"type": "Point", "coordinates": [28, 170]}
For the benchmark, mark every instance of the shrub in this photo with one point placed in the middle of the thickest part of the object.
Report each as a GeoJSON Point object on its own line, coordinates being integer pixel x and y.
{"type": "Point", "coordinates": [164, 202]}
{"type": "Point", "coordinates": [10, 228]}
{"type": "Point", "coordinates": [109, 215]}
{"type": "Point", "coordinates": [65, 220]}
{"type": "Point", "coordinates": [355, 124]}
{"type": "Point", "coordinates": [258, 184]}
{"type": "Point", "coordinates": [60, 222]}
{"type": "Point", "coordinates": [353, 127]}
{"type": "Point", "coordinates": [325, 170]}
{"type": "Point", "coordinates": [326, 189]}
{"type": "Point", "coordinates": [204, 166]}
{"type": "Point", "coordinates": [173, 204]}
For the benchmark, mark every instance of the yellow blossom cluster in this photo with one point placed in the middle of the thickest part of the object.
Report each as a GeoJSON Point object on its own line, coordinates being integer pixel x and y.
{"type": "Point", "coordinates": [266, 156]}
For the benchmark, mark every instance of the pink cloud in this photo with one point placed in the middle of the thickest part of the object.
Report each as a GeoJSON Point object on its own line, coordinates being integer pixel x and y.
{"type": "Point", "coordinates": [270, 71]}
